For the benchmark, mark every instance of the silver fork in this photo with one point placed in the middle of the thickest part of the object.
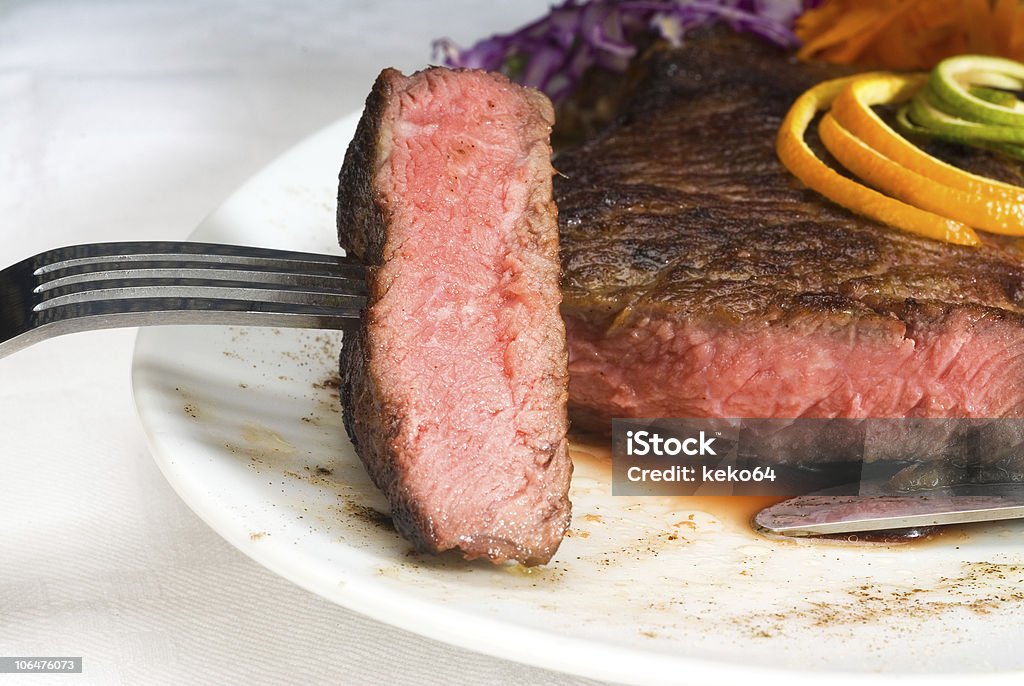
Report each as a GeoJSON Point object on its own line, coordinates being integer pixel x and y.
{"type": "Point", "coordinates": [109, 285]}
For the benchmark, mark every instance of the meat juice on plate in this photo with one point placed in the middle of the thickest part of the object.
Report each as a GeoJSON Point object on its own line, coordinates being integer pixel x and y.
{"type": "Point", "coordinates": [593, 456]}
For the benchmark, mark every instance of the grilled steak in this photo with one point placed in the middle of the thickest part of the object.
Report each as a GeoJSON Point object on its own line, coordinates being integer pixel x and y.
{"type": "Point", "coordinates": [702, 280]}
{"type": "Point", "coordinates": [454, 390]}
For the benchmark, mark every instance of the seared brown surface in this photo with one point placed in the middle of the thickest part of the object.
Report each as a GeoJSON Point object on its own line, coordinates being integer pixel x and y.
{"type": "Point", "coordinates": [679, 222]}
{"type": "Point", "coordinates": [469, 445]}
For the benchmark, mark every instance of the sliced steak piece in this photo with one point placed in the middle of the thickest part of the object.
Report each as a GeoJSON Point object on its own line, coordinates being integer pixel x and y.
{"type": "Point", "coordinates": [702, 280]}
{"type": "Point", "coordinates": [454, 390]}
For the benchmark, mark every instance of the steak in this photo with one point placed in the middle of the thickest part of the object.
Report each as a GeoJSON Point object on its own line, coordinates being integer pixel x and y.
{"type": "Point", "coordinates": [702, 280]}
{"type": "Point", "coordinates": [454, 388]}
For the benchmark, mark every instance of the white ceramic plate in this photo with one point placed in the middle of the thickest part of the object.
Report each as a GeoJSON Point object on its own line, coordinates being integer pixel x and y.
{"type": "Point", "coordinates": [245, 425]}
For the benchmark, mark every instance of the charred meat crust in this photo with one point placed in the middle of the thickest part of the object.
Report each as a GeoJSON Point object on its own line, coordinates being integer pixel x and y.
{"type": "Point", "coordinates": [362, 220]}
{"type": "Point", "coordinates": [715, 222]}
{"type": "Point", "coordinates": [361, 211]}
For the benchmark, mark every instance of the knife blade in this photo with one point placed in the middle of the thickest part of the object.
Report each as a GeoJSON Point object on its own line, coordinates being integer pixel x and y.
{"type": "Point", "coordinates": [818, 515]}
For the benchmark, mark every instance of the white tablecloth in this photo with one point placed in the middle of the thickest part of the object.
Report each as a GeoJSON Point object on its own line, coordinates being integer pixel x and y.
{"type": "Point", "coordinates": [132, 120]}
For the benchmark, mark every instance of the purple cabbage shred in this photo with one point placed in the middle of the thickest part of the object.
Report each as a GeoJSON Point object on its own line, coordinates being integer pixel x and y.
{"type": "Point", "coordinates": [552, 53]}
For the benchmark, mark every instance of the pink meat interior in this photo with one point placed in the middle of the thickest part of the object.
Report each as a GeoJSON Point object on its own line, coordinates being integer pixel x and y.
{"type": "Point", "coordinates": [466, 299]}
{"type": "Point", "coordinates": [968, 365]}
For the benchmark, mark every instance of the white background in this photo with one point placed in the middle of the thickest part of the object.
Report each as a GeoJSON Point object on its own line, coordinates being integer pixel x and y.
{"type": "Point", "coordinates": [133, 120]}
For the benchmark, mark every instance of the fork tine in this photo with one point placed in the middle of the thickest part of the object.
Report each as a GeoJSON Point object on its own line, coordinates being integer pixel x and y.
{"type": "Point", "coordinates": [208, 272]}
{"type": "Point", "coordinates": [183, 251]}
{"type": "Point", "coordinates": [111, 314]}
{"type": "Point", "coordinates": [326, 292]}
{"type": "Point", "coordinates": [157, 310]}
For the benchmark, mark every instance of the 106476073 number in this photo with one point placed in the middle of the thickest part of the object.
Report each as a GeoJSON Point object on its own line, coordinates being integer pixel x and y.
{"type": "Point", "coordinates": [42, 665]}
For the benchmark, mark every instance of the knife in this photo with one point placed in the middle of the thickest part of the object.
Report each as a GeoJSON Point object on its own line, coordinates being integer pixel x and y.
{"type": "Point", "coordinates": [819, 514]}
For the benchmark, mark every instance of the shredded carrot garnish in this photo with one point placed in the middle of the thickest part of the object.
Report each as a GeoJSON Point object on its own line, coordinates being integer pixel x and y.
{"type": "Point", "coordinates": [910, 34]}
